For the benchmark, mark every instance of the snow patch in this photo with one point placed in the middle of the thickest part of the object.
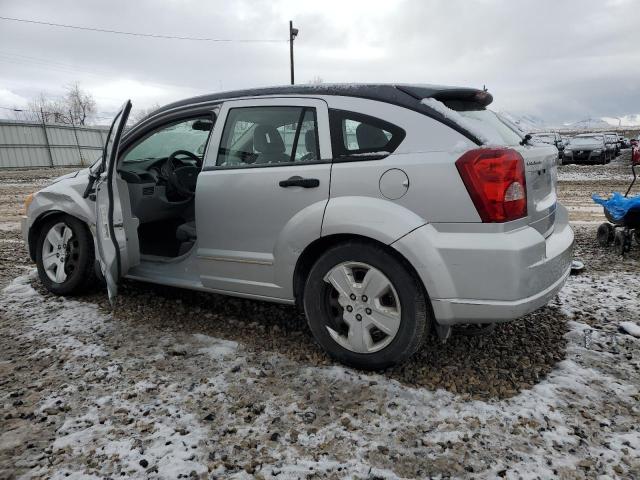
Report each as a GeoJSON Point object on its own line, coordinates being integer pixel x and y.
{"type": "Point", "coordinates": [631, 328]}
{"type": "Point", "coordinates": [60, 322]}
{"type": "Point", "coordinates": [215, 348]}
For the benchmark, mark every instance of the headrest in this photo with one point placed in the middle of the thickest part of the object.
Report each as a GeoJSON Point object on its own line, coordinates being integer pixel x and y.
{"type": "Point", "coordinates": [266, 139]}
{"type": "Point", "coordinates": [310, 141]}
{"type": "Point", "coordinates": [370, 137]}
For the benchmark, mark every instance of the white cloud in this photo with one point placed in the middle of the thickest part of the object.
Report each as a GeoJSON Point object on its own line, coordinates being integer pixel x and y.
{"type": "Point", "coordinates": [557, 60]}
{"type": "Point", "coordinates": [10, 99]}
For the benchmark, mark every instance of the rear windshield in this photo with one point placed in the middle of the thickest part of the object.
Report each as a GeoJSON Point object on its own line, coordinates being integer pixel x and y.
{"type": "Point", "coordinates": [494, 130]}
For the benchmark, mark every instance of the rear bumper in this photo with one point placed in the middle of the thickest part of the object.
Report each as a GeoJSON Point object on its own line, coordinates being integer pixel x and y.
{"type": "Point", "coordinates": [490, 277]}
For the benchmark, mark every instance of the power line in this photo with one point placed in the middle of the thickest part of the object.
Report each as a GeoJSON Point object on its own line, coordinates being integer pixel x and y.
{"type": "Point", "coordinates": [138, 34]}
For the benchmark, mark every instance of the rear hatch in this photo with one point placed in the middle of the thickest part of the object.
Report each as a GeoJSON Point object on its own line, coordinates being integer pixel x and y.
{"type": "Point", "coordinates": [541, 167]}
{"type": "Point", "coordinates": [540, 161]}
{"type": "Point", "coordinates": [466, 107]}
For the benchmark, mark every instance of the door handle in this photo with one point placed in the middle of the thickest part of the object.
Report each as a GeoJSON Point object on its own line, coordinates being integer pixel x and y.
{"type": "Point", "coordinates": [297, 181]}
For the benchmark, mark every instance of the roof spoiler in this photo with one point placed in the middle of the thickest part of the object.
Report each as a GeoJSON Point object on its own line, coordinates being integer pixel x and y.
{"type": "Point", "coordinates": [458, 99]}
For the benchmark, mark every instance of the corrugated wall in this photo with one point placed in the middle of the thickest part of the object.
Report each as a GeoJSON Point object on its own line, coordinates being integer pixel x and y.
{"type": "Point", "coordinates": [25, 145]}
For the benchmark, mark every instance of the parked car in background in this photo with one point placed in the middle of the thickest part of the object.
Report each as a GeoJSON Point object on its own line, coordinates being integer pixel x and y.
{"type": "Point", "coordinates": [611, 140]}
{"type": "Point", "coordinates": [588, 148]}
{"type": "Point", "coordinates": [626, 143]}
{"type": "Point", "coordinates": [550, 138]}
{"type": "Point", "coordinates": [378, 209]}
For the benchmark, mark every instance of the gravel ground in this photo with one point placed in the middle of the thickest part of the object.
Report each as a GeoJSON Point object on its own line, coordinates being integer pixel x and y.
{"type": "Point", "coordinates": [177, 384]}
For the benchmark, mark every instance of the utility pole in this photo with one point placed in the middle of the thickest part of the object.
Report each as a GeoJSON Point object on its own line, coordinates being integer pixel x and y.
{"type": "Point", "coordinates": [75, 133]}
{"type": "Point", "coordinates": [46, 138]}
{"type": "Point", "coordinates": [293, 33]}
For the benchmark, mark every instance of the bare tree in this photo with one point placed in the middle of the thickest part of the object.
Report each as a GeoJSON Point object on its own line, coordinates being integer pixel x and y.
{"type": "Point", "coordinates": [43, 108]}
{"type": "Point", "coordinates": [316, 80]}
{"type": "Point", "coordinates": [80, 104]}
{"type": "Point", "coordinates": [76, 107]}
{"type": "Point", "coordinates": [140, 113]}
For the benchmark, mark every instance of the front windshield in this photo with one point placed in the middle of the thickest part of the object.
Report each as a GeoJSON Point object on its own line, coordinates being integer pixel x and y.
{"type": "Point", "coordinates": [190, 135]}
{"type": "Point", "coordinates": [544, 138]}
{"type": "Point", "coordinates": [578, 141]}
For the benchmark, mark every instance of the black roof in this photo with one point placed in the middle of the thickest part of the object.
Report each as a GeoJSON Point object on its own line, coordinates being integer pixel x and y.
{"type": "Point", "coordinates": [398, 94]}
{"type": "Point", "coordinates": [408, 96]}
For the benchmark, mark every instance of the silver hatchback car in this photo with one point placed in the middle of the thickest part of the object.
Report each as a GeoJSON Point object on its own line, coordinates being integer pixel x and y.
{"type": "Point", "coordinates": [385, 211]}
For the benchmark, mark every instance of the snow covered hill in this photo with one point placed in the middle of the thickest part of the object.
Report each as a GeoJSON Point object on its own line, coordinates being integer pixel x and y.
{"type": "Point", "coordinates": [531, 123]}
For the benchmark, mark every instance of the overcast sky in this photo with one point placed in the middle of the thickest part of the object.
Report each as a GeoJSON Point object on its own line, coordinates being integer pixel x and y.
{"type": "Point", "coordinates": [559, 60]}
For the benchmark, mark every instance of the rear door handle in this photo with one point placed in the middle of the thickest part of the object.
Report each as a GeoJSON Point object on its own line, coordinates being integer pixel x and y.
{"type": "Point", "coordinates": [297, 181]}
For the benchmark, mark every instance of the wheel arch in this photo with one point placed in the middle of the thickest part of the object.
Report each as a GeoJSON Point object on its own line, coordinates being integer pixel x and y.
{"type": "Point", "coordinates": [34, 230]}
{"type": "Point", "coordinates": [315, 249]}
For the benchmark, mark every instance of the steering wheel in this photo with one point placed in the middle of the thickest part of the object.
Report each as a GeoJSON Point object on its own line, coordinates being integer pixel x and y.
{"type": "Point", "coordinates": [182, 178]}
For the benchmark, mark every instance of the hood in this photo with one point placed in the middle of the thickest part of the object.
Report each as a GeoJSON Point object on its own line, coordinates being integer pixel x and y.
{"type": "Point", "coordinates": [68, 175]}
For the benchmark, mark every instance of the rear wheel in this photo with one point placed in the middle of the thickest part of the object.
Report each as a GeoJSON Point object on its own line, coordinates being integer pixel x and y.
{"type": "Point", "coordinates": [620, 242]}
{"type": "Point", "coordinates": [65, 256]}
{"type": "Point", "coordinates": [364, 307]}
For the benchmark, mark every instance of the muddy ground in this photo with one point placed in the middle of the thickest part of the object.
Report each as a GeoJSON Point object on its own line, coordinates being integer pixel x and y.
{"type": "Point", "coordinates": [177, 384]}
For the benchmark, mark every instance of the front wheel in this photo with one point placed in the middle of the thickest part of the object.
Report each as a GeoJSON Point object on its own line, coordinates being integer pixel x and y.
{"type": "Point", "coordinates": [65, 256]}
{"type": "Point", "coordinates": [364, 307]}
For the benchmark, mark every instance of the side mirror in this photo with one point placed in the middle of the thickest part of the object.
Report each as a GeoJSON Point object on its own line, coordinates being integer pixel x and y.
{"type": "Point", "coordinates": [202, 125]}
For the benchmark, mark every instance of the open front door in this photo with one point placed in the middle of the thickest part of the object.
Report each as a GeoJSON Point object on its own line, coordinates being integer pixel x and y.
{"type": "Point", "coordinates": [116, 228]}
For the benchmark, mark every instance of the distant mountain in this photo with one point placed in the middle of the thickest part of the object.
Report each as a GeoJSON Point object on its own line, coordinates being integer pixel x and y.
{"type": "Point", "coordinates": [588, 123]}
{"type": "Point", "coordinates": [632, 120]}
{"type": "Point", "coordinates": [531, 123]}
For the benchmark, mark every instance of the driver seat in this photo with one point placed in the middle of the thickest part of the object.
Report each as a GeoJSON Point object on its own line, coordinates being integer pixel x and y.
{"type": "Point", "coordinates": [269, 145]}
{"type": "Point", "coordinates": [186, 235]}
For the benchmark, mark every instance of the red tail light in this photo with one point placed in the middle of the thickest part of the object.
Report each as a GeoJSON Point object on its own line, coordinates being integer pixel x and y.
{"type": "Point", "coordinates": [495, 179]}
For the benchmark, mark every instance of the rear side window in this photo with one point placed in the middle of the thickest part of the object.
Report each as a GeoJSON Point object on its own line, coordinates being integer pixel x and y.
{"type": "Point", "coordinates": [355, 136]}
{"type": "Point", "coordinates": [262, 136]}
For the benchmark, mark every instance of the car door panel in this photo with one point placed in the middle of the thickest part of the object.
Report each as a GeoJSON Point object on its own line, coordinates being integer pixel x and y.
{"type": "Point", "coordinates": [250, 227]}
{"type": "Point", "coordinates": [116, 229]}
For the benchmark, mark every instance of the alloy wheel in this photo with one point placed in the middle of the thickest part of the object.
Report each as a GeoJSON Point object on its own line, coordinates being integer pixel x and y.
{"type": "Point", "coordinates": [363, 307]}
{"type": "Point", "coordinates": [59, 252]}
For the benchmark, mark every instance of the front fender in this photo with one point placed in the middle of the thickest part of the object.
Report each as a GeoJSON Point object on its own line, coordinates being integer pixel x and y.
{"type": "Point", "coordinates": [64, 196]}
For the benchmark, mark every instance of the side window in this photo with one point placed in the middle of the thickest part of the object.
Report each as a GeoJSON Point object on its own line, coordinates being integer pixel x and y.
{"type": "Point", "coordinates": [255, 136]}
{"type": "Point", "coordinates": [191, 135]}
{"type": "Point", "coordinates": [357, 136]}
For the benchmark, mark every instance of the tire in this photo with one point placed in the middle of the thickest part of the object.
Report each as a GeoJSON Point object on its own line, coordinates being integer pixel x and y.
{"type": "Point", "coordinates": [620, 242]}
{"type": "Point", "coordinates": [605, 234]}
{"type": "Point", "coordinates": [404, 301]}
{"type": "Point", "coordinates": [76, 255]}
